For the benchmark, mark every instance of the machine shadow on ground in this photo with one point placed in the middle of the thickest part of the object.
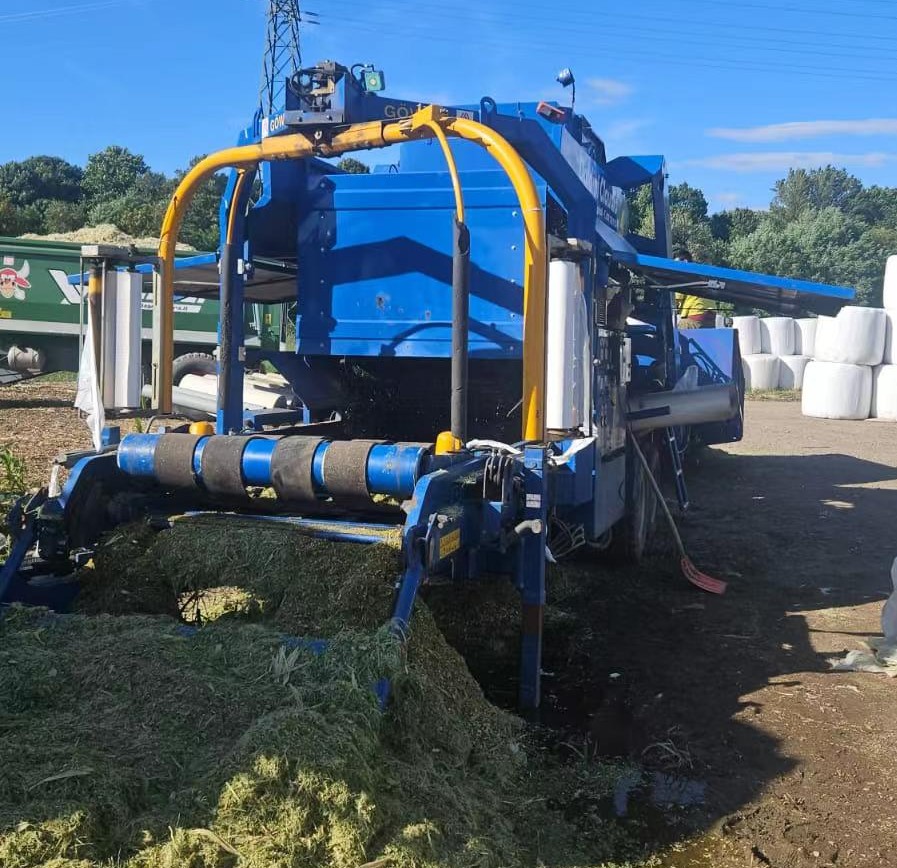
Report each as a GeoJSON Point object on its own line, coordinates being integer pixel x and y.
{"type": "Point", "coordinates": [791, 535]}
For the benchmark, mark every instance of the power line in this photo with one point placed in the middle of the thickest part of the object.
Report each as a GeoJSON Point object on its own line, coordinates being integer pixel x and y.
{"type": "Point", "coordinates": [401, 7]}
{"type": "Point", "coordinates": [625, 52]}
{"type": "Point", "coordinates": [14, 17]}
{"type": "Point", "coordinates": [649, 34]}
{"type": "Point", "coordinates": [804, 10]}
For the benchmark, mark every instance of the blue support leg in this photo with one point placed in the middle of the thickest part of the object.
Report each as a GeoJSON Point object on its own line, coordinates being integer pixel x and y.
{"type": "Point", "coordinates": [13, 564]}
{"type": "Point", "coordinates": [531, 577]}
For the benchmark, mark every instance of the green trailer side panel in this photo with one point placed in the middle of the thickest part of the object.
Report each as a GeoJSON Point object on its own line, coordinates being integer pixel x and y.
{"type": "Point", "coordinates": [38, 307]}
{"type": "Point", "coordinates": [37, 298]}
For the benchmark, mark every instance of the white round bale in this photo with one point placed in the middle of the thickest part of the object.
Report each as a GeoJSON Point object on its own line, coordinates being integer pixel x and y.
{"type": "Point", "coordinates": [884, 392]}
{"type": "Point", "coordinates": [748, 328]}
{"type": "Point", "coordinates": [805, 336]}
{"type": "Point", "coordinates": [761, 371]}
{"type": "Point", "coordinates": [824, 343]}
{"type": "Point", "coordinates": [890, 354]}
{"type": "Point", "coordinates": [859, 337]}
{"type": "Point", "coordinates": [837, 391]}
{"type": "Point", "coordinates": [890, 293]}
{"type": "Point", "coordinates": [791, 371]}
{"type": "Point", "coordinates": [777, 335]}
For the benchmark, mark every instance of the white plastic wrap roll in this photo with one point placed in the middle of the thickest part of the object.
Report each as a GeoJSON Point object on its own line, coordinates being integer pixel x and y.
{"type": "Point", "coordinates": [890, 294]}
{"type": "Point", "coordinates": [837, 391]}
{"type": "Point", "coordinates": [791, 371]}
{"type": "Point", "coordinates": [884, 392]}
{"type": "Point", "coordinates": [761, 371]}
{"type": "Point", "coordinates": [128, 345]}
{"type": "Point", "coordinates": [564, 347]}
{"type": "Point", "coordinates": [805, 336]}
{"type": "Point", "coordinates": [748, 328]}
{"type": "Point", "coordinates": [859, 337]}
{"type": "Point", "coordinates": [777, 335]}
{"type": "Point", "coordinates": [269, 397]}
{"type": "Point", "coordinates": [890, 355]}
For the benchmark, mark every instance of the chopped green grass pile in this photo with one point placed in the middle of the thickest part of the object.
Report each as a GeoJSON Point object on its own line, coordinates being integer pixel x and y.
{"type": "Point", "coordinates": [128, 739]}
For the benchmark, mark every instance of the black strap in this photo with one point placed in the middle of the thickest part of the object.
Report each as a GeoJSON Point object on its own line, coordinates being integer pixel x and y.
{"type": "Point", "coordinates": [222, 460]}
{"type": "Point", "coordinates": [173, 460]}
{"type": "Point", "coordinates": [345, 468]}
{"type": "Point", "coordinates": [291, 468]}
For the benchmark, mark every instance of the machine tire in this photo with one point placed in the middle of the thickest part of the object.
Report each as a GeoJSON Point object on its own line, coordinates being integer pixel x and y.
{"type": "Point", "coordinates": [192, 363]}
{"type": "Point", "coordinates": [631, 535]}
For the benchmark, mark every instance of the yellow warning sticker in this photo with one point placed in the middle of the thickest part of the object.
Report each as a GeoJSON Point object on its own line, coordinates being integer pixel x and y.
{"type": "Point", "coordinates": [5, 314]}
{"type": "Point", "coordinates": [449, 544]}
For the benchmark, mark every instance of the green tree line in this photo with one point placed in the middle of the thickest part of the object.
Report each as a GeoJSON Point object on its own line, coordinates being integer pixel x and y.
{"type": "Point", "coordinates": [45, 195]}
{"type": "Point", "coordinates": [822, 224]}
{"type": "Point", "coordinates": [48, 194]}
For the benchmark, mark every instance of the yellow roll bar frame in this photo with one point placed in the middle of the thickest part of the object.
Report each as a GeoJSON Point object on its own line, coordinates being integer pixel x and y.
{"type": "Point", "coordinates": [364, 136]}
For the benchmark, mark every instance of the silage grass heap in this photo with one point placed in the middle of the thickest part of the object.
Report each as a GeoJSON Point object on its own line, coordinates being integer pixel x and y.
{"type": "Point", "coordinates": [127, 738]}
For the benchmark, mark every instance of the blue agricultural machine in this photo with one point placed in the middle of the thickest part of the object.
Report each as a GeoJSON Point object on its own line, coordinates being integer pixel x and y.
{"type": "Point", "coordinates": [486, 357]}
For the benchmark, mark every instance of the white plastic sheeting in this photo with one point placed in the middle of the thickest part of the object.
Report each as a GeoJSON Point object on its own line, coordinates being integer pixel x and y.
{"type": "Point", "coordinates": [837, 391]}
{"type": "Point", "coordinates": [858, 337]}
{"type": "Point", "coordinates": [884, 392]}
{"type": "Point", "coordinates": [89, 398]}
{"type": "Point", "coordinates": [748, 328]}
{"type": "Point", "coordinates": [760, 371]}
{"type": "Point", "coordinates": [890, 355]}
{"type": "Point", "coordinates": [777, 335]}
{"type": "Point", "coordinates": [890, 294]}
{"type": "Point", "coordinates": [791, 371]}
{"type": "Point", "coordinates": [889, 611]}
{"type": "Point", "coordinates": [805, 336]}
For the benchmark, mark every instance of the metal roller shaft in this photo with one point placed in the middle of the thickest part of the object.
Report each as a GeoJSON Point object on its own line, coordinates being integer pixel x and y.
{"type": "Point", "coordinates": [392, 468]}
{"type": "Point", "coordinates": [674, 409]}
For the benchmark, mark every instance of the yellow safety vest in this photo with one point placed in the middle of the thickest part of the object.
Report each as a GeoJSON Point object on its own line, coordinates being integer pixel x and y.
{"type": "Point", "coordinates": [692, 305]}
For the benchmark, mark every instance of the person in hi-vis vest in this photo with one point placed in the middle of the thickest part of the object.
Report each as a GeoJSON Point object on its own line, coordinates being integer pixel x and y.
{"type": "Point", "coordinates": [693, 312]}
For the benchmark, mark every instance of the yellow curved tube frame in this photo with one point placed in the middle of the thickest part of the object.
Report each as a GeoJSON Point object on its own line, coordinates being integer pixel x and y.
{"type": "Point", "coordinates": [378, 134]}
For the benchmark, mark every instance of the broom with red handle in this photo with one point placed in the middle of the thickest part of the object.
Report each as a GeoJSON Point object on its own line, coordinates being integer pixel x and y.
{"type": "Point", "coordinates": [689, 570]}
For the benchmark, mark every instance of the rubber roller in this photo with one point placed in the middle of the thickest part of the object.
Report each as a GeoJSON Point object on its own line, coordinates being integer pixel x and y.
{"type": "Point", "coordinates": [298, 468]}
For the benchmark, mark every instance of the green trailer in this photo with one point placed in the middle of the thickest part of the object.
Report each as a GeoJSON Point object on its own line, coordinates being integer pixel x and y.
{"type": "Point", "coordinates": [42, 319]}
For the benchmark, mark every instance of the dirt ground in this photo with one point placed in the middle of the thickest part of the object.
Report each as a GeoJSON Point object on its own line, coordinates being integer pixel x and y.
{"type": "Point", "coordinates": [733, 692]}
{"type": "Point", "coordinates": [737, 691]}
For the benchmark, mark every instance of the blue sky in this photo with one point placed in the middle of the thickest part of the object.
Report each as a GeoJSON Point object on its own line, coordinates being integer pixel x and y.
{"type": "Point", "coordinates": [733, 93]}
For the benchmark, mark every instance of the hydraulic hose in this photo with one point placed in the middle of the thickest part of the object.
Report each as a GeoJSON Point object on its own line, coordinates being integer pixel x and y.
{"type": "Point", "coordinates": [535, 280]}
{"type": "Point", "coordinates": [460, 287]}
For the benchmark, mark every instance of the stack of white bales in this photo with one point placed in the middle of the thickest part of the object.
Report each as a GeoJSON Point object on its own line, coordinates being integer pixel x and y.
{"type": "Point", "coordinates": [774, 350]}
{"type": "Point", "coordinates": [853, 351]}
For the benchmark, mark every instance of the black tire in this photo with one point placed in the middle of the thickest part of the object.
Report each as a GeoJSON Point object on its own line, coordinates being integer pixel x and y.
{"type": "Point", "coordinates": [632, 533]}
{"type": "Point", "coordinates": [192, 363]}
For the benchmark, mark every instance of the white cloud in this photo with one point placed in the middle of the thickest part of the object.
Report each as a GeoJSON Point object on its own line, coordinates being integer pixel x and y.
{"type": "Point", "coordinates": [608, 91]}
{"type": "Point", "coordinates": [781, 161]}
{"type": "Point", "coordinates": [625, 129]}
{"type": "Point", "coordinates": [728, 200]}
{"type": "Point", "coordinates": [806, 130]}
